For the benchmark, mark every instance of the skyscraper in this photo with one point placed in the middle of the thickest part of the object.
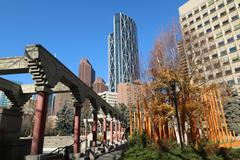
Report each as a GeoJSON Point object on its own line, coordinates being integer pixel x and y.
{"type": "Point", "coordinates": [99, 85]}
{"type": "Point", "coordinates": [123, 60]}
{"type": "Point", "coordinates": [86, 72]}
{"type": "Point", "coordinates": [214, 27]}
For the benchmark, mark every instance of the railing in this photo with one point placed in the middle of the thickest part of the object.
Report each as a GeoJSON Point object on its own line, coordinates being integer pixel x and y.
{"type": "Point", "coordinates": [66, 150]}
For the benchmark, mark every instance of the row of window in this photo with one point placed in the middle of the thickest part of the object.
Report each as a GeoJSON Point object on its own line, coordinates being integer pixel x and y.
{"type": "Point", "coordinates": [227, 73]}
{"type": "Point", "coordinates": [225, 22]}
{"type": "Point", "coordinates": [211, 11]}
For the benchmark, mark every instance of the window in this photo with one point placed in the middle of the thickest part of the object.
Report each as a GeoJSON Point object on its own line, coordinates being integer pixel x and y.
{"type": "Point", "coordinates": [219, 74]}
{"type": "Point", "coordinates": [235, 59]}
{"type": "Point", "coordinates": [205, 50]}
{"type": "Point", "coordinates": [199, 26]}
{"type": "Point", "coordinates": [210, 2]}
{"type": "Point", "coordinates": [206, 59]}
{"type": "Point", "coordinates": [220, 6]}
{"type": "Point", "coordinates": [237, 27]}
{"type": "Point", "coordinates": [210, 77]}
{"type": "Point", "coordinates": [184, 19]}
{"type": "Point", "coordinates": [230, 82]}
{"type": "Point", "coordinates": [210, 39]}
{"type": "Point", "coordinates": [203, 7]}
{"type": "Point", "coordinates": [209, 30]}
{"type": "Point", "coordinates": [229, 1]}
{"type": "Point", "coordinates": [228, 30]}
{"type": "Point", "coordinates": [228, 72]}
{"type": "Point", "coordinates": [212, 47]}
{"type": "Point", "coordinates": [225, 61]}
{"type": "Point", "coordinates": [238, 36]}
{"type": "Point", "coordinates": [185, 26]}
{"type": "Point", "coordinates": [223, 53]}
{"type": "Point", "coordinates": [220, 44]}
{"type": "Point", "coordinates": [238, 80]}
{"type": "Point", "coordinates": [191, 22]}
{"type": "Point", "coordinates": [214, 18]}
{"type": "Point", "coordinates": [214, 56]}
{"type": "Point", "coordinates": [192, 30]}
{"type": "Point", "coordinates": [233, 49]}
{"type": "Point", "coordinates": [208, 68]}
{"type": "Point", "coordinates": [225, 22]}
{"type": "Point", "coordinates": [201, 34]}
{"type": "Point", "coordinates": [237, 70]}
{"type": "Point", "coordinates": [207, 22]}
{"type": "Point", "coordinates": [230, 40]}
{"type": "Point", "coordinates": [205, 14]}
{"type": "Point", "coordinates": [218, 35]}
{"type": "Point", "coordinates": [213, 10]}
{"type": "Point", "coordinates": [232, 9]}
{"type": "Point", "coordinates": [217, 26]}
{"type": "Point", "coordinates": [196, 11]}
{"type": "Point", "coordinates": [234, 18]}
{"type": "Point", "coordinates": [190, 15]}
{"type": "Point", "coordinates": [203, 42]}
{"type": "Point", "coordinates": [198, 19]}
{"type": "Point", "coordinates": [217, 65]}
{"type": "Point", "coordinates": [223, 14]}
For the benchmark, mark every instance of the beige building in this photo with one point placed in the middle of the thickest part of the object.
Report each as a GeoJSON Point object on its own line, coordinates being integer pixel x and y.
{"type": "Point", "coordinates": [214, 27]}
{"type": "Point", "coordinates": [128, 93]}
{"type": "Point", "coordinates": [110, 97]}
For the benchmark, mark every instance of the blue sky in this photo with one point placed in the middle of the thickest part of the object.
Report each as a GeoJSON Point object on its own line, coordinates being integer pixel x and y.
{"type": "Point", "coordinates": [76, 29]}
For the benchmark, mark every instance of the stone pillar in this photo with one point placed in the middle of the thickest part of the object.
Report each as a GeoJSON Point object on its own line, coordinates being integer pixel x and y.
{"type": "Point", "coordinates": [105, 130]}
{"type": "Point", "coordinates": [39, 123]}
{"type": "Point", "coordinates": [77, 119]}
{"type": "Point", "coordinates": [119, 131]}
{"type": "Point", "coordinates": [94, 129]}
{"type": "Point", "coordinates": [86, 132]}
{"type": "Point", "coordinates": [111, 130]}
{"type": "Point", "coordinates": [116, 130]}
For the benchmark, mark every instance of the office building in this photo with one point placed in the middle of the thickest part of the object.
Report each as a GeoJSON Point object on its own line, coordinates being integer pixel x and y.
{"type": "Point", "coordinates": [109, 97]}
{"type": "Point", "coordinates": [4, 101]}
{"type": "Point", "coordinates": [123, 60]}
{"type": "Point", "coordinates": [213, 26]}
{"type": "Point", "coordinates": [99, 85]}
{"type": "Point", "coordinates": [130, 93]}
{"type": "Point", "coordinates": [86, 72]}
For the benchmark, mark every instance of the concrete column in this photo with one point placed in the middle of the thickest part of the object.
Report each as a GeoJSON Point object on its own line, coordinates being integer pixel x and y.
{"type": "Point", "coordinates": [77, 119]}
{"type": "Point", "coordinates": [39, 123]}
{"type": "Point", "coordinates": [119, 131]}
{"type": "Point", "coordinates": [86, 133]}
{"type": "Point", "coordinates": [105, 130]}
{"type": "Point", "coordinates": [116, 130]}
{"type": "Point", "coordinates": [94, 129]}
{"type": "Point", "coordinates": [111, 130]}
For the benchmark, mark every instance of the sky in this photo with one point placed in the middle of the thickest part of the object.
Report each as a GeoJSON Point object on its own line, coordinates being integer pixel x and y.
{"type": "Point", "coordinates": [76, 29]}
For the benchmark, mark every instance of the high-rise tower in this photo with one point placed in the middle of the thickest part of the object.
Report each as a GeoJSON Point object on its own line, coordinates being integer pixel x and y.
{"type": "Point", "coordinates": [123, 60]}
{"type": "Point", "coordinates": [86, 72]}
{"type": "Point", "coordinates": [212, 27]}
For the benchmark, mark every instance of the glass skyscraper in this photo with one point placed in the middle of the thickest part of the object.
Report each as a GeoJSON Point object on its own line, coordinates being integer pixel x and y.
{"type": "Point", "coordinates": [123, 60]}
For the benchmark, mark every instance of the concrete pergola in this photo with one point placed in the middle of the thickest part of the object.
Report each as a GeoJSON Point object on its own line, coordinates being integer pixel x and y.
{"type": "Point", "coordinates": [51, 76]}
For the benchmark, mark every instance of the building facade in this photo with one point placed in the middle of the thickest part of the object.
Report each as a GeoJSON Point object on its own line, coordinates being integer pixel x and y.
{"type": "Point", "coordinates": [214, 27]}
{"type": "Point", "coordinates": [109, 97]}
{"type": "Point", "coordinates": [86, 72]}
{"type": "Point", "coordinates": [99, 85]}
{"type": "Point", "coordinates": [4, 101]}
{"type": "Point", "coordinates": [130, 93]}
{"type": "Point", "coordinates": [123, 60]}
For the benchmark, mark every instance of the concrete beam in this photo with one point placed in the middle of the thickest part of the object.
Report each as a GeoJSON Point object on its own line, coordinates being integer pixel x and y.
{"type": "Point", "coordinates": [14, 92]}
{"type": "Point", "coordinates": [13, 65]}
